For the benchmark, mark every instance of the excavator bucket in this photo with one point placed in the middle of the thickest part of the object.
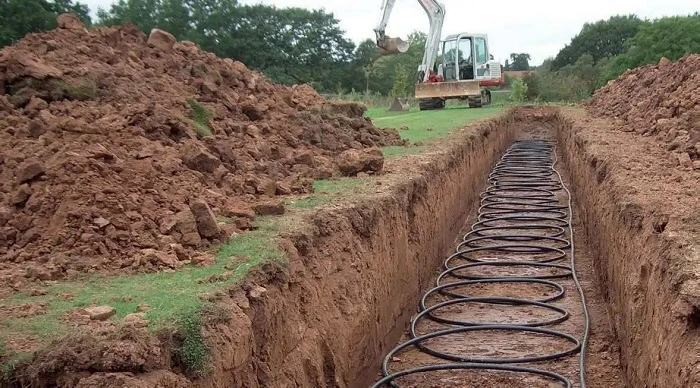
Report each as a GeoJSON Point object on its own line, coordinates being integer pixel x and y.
{"type": "Point", "coordinates": [447, 89]}
{"type": "Point", "coordinates": [389, 46]}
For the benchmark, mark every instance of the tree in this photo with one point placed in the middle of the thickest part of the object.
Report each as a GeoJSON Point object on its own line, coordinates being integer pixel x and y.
{"type": "Point", "coordinates": [364, 64]}
{"type": "Point", "coordinates": [21, 17]}
{"type": "Point", "coordinates": [520, 62]}
{"type": "Point", "coordinates": [507, 66]}
{"type": "Point", "coordinates": [669, 37]}
{"type": "Point", "coordinates": [602, 39]}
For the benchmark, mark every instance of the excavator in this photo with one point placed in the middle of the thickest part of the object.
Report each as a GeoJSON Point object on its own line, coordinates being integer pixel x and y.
{"type": "Point", "coordinates": [465, 70]}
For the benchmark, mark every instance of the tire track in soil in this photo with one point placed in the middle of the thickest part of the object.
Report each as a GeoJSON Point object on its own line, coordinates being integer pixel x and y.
{"type": "Point", "coordinates": [602, 356]}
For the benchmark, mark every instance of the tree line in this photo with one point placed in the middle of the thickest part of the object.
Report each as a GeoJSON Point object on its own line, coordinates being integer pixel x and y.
{"type": "Point", "coordinates": [297, 45]}
{"type": "Point", "coordinates": [603, 50]}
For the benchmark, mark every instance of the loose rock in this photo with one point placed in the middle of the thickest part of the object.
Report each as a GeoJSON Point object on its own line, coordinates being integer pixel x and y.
{"type": "Point", "coordinates": [29, 170]}
{"type": "Point", "coordinates": [206, 221]}
{"type": "Point", "coordinates": [161, 40]}
{"type": "Point", "coordinates": [274, 207]}
{"type": "Point", "coordinates": [69, 21]}
{"type": "Point", "coordinates": [100, 313]}
{"type": "Point", "coordinates": [352, 162]}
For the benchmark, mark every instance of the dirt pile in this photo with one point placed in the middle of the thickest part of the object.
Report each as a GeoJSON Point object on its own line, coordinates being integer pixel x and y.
{"type": "Point", "coordinates": [660, 100]}
{"type": "Point", "coordinates": [120, 151]}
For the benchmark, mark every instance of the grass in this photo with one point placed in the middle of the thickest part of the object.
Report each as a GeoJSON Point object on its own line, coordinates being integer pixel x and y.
{"type": "Point", "coordinates": [174, 297]}
{"type": "Point", "coordinates": [200, 118]}
{"type": "Point", "coordinates": [426, 126]}
{"type": "Point", "coordinates": [326, 191]}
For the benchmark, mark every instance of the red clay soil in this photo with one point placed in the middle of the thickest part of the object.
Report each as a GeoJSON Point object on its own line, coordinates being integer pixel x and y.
{"type": "Point", "coordinates": [658, 100]}
{"type": "Point", "coordinates": [102, 168]}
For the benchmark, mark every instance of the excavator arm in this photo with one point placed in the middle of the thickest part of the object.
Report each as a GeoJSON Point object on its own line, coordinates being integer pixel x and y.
{"type": "Point", "coordinates": [388, 45]}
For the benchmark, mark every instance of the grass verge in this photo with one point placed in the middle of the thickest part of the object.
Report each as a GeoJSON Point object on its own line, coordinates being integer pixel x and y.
{"type": "Point", "coordinates": [327, 191]}
{"type": "Point", "coordinates": [174, 297]}
{"type": "Point", "coordinates": [424, 127]}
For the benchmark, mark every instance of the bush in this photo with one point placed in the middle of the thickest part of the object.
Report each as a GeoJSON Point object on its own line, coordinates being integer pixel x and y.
{"type": "Point", "coordinates": [519, 91]}
{"type": "Point", "coordinates": [547, 86]}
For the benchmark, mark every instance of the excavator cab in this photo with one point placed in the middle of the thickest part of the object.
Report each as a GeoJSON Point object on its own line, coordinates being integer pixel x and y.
{"type": "Point", "coordinates": [464, 65]}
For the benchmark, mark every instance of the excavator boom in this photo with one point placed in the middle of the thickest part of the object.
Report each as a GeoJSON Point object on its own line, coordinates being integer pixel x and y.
{"type": "Point", "coordinates": [388, 45]}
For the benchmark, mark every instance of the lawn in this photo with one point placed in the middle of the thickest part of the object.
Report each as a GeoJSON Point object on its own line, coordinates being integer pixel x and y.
{"type": "Point", "coordinates": [425, 126]}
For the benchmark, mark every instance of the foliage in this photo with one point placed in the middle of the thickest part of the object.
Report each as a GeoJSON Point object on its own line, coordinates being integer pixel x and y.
{"type": "Point", "coordinates": [519, 91]}
{"type": "Point", "coordinates": [519, 62]}
{"type": "Point", "coordinates": [194, 351]}
{"type": "Point", "coordinates": [548, 86]}
{"type": "Point", "coordinates": [602, 39]}
{"type": "Point", "coordinates": [201, 118]}
{"type": "Point", "coordinates": [605, 49]}
{"type": "Point", "coordinates": [669, 37]}
{"type": "Point", "coordinates": [20, 17]}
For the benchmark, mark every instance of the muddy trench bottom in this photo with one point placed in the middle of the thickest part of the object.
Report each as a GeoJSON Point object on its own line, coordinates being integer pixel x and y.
{"type": "Point", "coordinates": [602, 352]}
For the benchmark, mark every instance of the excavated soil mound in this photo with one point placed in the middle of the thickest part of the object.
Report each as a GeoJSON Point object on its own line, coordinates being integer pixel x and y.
{"type": "Point", "coordinates": [660, 100]}
{"type": "Point", "coordinates": [118, 151]}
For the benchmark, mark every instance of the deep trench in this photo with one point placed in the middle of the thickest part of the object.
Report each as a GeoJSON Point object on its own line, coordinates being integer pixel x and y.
{"type": "Point", "coordinates": [509, 306]}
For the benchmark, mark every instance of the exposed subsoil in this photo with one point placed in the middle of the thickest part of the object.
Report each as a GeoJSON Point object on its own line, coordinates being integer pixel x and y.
{"type": "Point", "coordinates": [603, 367]}
{"type": "Point", "coordinates": [105, 165]}
{"type": "Point", "coordinates": [640, 214]}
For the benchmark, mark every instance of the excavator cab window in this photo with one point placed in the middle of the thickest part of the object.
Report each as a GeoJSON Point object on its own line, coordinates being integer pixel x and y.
{"type": "Point", "coordinates": [466, 59]}
{"type": "Point", "coordinates": [482, 55]}
{"type": "Point", "coordinates": [449, 59]}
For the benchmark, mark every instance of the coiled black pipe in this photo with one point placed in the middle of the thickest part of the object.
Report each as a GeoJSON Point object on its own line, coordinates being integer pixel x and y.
{"type": "Point", "coordinates": [521, 225]}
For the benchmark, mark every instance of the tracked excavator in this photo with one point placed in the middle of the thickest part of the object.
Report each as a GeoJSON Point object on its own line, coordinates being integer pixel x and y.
{"type": "Point", "coordinates": [465, 66]}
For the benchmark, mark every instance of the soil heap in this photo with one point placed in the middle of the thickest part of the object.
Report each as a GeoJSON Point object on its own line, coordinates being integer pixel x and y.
{"type": "Point", "coordinates": [118, 151]}
{"type": "Point", "coordinates": [661, 100]}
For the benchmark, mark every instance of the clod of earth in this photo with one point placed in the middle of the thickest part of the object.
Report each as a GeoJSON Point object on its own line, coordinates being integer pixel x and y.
{"type": "Point", "coordinates": [100, 313]}
{"type": "Point", "coordinates": [137, 320]}
{"type": "Point", "coordinates": [351, 162]}
{"type": "Point", "coordinates": [161, 40]}
{"type": "Point", "coordinates": [69, 21]}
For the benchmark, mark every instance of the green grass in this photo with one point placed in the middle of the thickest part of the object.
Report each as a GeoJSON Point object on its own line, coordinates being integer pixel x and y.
{"type": "Point", "coordinates": [426, 126]}
{"type": "Point", "coordinates": [173, 297]}
{"type": "Point", "coordinates": [200, 118]}
{"type": "Point", "coordinates": [326, 191]}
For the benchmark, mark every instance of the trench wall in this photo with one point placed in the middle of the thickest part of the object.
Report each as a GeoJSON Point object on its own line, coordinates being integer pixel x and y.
{"type": "Point", "coordinates": [637, 265]}
{"type": "Point", "coordinates": [354, 277]}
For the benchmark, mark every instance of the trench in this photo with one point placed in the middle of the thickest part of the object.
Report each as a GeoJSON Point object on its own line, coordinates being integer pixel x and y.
{"type": "Point", "coordinates": [355, 280]}
{"type": "Point", "coordinates": [516, 302]}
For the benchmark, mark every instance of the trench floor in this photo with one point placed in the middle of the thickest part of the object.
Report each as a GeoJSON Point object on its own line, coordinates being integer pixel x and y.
{"type": "Point", "coordinates": [602, 352]}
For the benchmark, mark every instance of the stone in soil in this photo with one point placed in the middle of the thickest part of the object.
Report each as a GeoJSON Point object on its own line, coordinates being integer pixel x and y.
{"type": "Point", "coordinates": [100, 313]}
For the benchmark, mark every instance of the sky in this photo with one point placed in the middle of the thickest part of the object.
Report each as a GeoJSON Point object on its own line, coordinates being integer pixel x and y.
{"type": "Point", "coordinates": [538, 27]}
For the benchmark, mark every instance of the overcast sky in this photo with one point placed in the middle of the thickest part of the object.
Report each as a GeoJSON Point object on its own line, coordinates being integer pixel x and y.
{"type": "Point", "coordinates": [538, 27]}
